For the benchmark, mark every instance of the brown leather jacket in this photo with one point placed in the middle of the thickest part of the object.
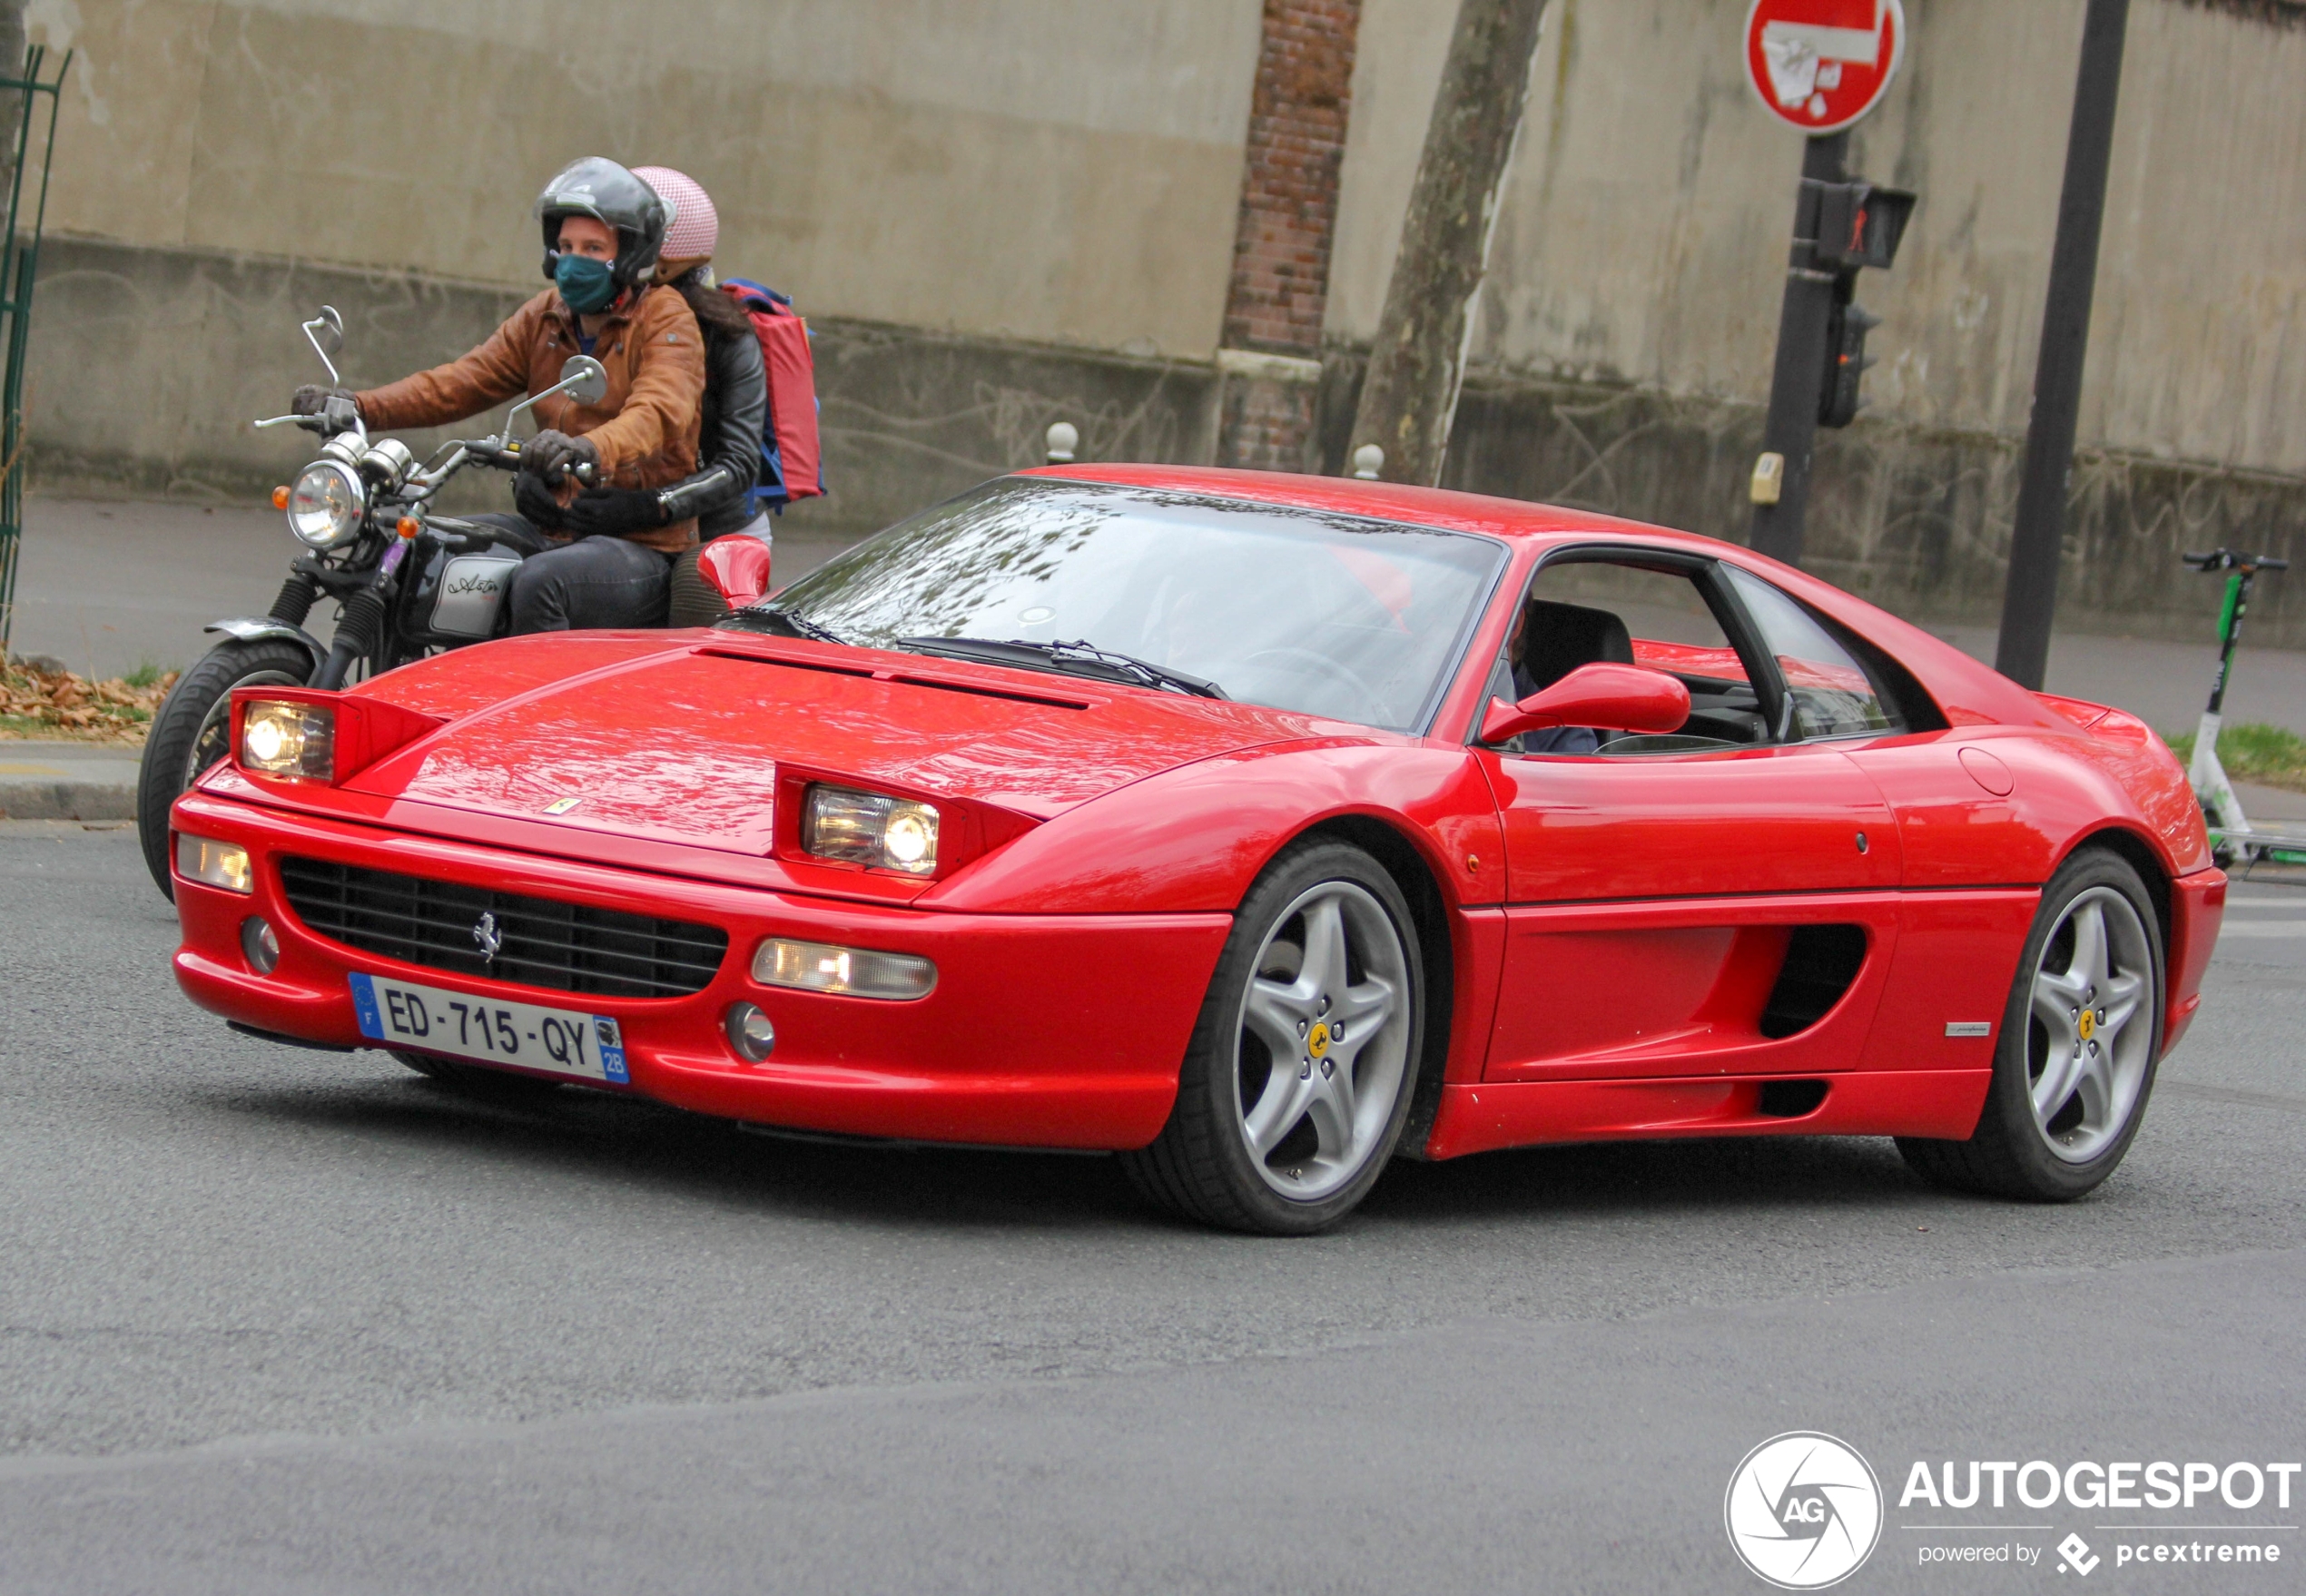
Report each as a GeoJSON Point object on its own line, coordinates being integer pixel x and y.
{"type": "Point", "coordinates": [646, 426]}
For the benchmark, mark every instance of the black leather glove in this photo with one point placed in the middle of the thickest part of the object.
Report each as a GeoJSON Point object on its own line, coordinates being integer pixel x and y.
{"type": "Point", "coordinates": [551, 454]}
{"type": "Point", "coordinates": [603, 512]}
{"type": "Point", "coordinates": [535, 503]}
{"type": "Point", "coordinates": [312, 398]}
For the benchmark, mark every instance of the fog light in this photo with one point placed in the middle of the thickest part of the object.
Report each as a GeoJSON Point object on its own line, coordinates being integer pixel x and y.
{"type": "Point", "coordinates": [213, 864]}
{"type": "Point", "coordinates": [854, 972]}
{"type": "Point", "coordinates": [259, 946]}
{"type": "Point", "coordinates": [750, 1032]}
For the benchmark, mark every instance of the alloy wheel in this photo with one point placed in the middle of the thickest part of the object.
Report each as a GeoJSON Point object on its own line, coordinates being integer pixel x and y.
{"type": "Point", "coordinates": [2090, 1032]}
{"type": "Point", "coordinates": [1322, 1045]}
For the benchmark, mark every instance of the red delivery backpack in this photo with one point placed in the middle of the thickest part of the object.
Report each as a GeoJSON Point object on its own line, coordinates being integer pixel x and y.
{"type": "Point", "coordinates": [791, 463]}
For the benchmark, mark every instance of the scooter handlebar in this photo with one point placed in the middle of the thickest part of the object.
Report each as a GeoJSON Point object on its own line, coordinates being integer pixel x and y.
{"type": "Point", "coordinates": [2227, 559]}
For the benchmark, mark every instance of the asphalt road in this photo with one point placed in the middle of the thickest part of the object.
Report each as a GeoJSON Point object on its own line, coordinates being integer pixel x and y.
{"type": "Point", "coordinates": [284, 1321]}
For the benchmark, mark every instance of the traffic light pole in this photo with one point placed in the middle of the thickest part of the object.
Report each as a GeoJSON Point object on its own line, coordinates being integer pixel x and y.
{"type": "Point", "coordinates": [1780, 492]}
{"type": "Point", "coordinates": [2030, 598]}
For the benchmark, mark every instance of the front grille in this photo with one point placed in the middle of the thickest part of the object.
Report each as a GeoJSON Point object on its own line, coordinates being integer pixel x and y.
{"type": "Point", "coordinates": [572, 947]}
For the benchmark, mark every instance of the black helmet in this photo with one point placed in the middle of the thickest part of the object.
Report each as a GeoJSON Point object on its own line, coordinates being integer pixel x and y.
{"type": "Point", "coordinates": [609, 194]}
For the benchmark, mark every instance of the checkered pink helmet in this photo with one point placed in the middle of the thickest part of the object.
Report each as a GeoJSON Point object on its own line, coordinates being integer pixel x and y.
{"type": "Point", "coordinates": [697, 225]}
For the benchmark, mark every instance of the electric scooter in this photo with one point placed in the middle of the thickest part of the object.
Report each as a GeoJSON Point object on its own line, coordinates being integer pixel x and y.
{"type": "Point", "coordinates": [2232, 837]}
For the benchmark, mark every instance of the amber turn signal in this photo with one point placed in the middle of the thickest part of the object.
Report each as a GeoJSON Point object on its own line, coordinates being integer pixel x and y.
{"type": "Point", "coordinates": [408, 526]}
{"type": "Point", "coordinates": [281, 496]}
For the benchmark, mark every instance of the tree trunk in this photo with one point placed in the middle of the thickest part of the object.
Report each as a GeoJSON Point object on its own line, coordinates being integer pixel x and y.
{"type": "Point", "coordinates": [1418, 360]}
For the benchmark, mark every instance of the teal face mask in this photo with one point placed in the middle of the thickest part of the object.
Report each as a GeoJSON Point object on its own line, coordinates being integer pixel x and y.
{"type": "Point", "coordinates": [584, 283]}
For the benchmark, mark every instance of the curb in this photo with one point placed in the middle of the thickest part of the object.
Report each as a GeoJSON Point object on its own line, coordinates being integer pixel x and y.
{"type": "Point", "coordinates": [26, 800]}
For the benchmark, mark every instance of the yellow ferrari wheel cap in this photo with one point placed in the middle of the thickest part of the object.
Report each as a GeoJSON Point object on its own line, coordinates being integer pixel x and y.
{"type": "Point", "coordinates": [1317, 1043]}
{"type": "Point", "coordinates": [2087, 1024]}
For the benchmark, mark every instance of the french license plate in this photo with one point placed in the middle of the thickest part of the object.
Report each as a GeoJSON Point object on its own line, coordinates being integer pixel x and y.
{"type": "Point", "coordinates": [562, 1041]}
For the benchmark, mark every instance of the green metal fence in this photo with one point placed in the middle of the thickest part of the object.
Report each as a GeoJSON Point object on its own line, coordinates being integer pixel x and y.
{"type": "Point", "coordinates": [19, 266]}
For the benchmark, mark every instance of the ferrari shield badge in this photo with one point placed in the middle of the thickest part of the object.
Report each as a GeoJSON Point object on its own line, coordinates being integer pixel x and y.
{"type": "Point", "coordinates": [562, 805]}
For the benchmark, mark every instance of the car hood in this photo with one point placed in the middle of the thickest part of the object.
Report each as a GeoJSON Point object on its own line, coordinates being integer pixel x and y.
{"type": "Point", "coordinates": [684, 745]}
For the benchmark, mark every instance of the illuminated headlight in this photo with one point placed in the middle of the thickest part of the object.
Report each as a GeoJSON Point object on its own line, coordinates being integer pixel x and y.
{"type": "Point", "coordinates": [294, 740]}
{"type": "Point", "coordinates": [854, 972]}
{"type": "Point", "coordinates": [871, 829]}
{"type": "Point", "coordinates": [325, 507]}
{"type": "Point", "coordinates": [213, 864]}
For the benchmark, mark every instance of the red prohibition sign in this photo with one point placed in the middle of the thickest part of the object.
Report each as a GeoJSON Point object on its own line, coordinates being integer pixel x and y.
{"type": "Point", "coordinates": [1821, 64]}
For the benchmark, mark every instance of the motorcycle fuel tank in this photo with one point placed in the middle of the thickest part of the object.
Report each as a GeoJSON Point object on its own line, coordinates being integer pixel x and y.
{"type": "Point", "coordinates": [471, 591]}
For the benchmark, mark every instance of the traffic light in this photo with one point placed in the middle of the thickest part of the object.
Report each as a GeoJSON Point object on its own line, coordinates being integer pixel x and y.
{"type": "Point", "coordinates": [1860, 225]}
{"type": "Point", "coordinates": [1846, 356]}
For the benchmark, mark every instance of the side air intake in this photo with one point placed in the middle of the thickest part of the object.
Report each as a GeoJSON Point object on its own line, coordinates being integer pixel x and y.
{"type": "Point", "coordinates": [1821, 961]}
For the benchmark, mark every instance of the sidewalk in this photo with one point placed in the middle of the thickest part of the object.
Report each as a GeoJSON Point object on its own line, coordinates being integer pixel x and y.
{"type": "Point", "coordinates": [66, 781]}
{"type": "Point", "coordinates": [107, 587]}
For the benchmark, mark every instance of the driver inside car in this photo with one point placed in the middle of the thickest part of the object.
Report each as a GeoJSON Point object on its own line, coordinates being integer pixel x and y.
{"type": "Point", "coordinates": [603, 230]}
{"type": "Point", "coordinates": [1551, 640]}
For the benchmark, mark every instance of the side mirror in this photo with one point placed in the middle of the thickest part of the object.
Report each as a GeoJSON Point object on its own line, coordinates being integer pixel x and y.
{"type": "Point", "coordinates": [582, 378]}
{"type": "Point", "coordinates": [1607, 697]}
{"type": "Point", "coordinates": [326, 333]}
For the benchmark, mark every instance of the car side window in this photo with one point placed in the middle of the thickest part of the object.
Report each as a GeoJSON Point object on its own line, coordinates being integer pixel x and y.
{"type": "Point", "coordinates": [1588, 611]}
{"type": "Point", "coordinates": [1833, 694]}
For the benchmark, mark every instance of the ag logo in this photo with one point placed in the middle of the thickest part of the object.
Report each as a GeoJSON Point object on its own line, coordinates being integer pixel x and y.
{"type": "Point", "coordinates": [1804, 1510]}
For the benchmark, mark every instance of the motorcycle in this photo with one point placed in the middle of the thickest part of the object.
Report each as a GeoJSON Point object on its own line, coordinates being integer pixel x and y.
{"type": "Point", "coordinates": [409, 580]}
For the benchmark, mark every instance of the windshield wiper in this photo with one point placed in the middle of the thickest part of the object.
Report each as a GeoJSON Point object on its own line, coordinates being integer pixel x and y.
{"type": "Point", "coordinates": [1069, 657]}
{"type": "Point", "coordinates": [786, 623]}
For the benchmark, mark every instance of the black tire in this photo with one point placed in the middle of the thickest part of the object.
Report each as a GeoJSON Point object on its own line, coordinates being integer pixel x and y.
{"type": "Point", "coordinates": [2011, 1152]}
{"type": "Point", "coordinates": [196, 716]}
{"type": "Point", "coordinates": [1202, 1166]}
{"type": "Point", "coordinates": [477, 1081]}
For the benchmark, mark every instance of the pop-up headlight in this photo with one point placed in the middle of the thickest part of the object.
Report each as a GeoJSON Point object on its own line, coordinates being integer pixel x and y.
{"type": "Point", "coordinates": [298, 741]}
{"type": "Point", "coordinates": [871, 829]}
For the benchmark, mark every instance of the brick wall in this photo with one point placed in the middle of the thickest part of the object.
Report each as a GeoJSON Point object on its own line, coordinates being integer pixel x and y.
{"type": "Point", "coordinates": [1280, 291]}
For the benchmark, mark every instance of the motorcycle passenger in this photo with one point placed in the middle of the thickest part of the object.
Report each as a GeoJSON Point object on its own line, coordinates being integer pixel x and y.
{"type": "Point", "coordinates": [735, 409]}
{"type": "Point", "coordinates": [602, 231]}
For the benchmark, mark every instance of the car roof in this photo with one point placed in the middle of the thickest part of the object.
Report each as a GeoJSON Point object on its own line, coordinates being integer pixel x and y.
{"type": "Point", "coordinates": [1968, 690]}
{"type": "Point", "coordinates": [1516, 520]}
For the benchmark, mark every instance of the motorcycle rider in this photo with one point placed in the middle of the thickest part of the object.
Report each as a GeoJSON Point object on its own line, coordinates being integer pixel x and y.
{"type": "Point", "coordinates": [735, 409]}
{"type": "Point", "coordinates": [602, 231]}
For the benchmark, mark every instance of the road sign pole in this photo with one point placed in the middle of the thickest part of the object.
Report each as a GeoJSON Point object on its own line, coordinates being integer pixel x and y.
{"type": "Point", "coordinates": [1780, 488]}
{"type": "Point", "coordinates": [2030, 597]}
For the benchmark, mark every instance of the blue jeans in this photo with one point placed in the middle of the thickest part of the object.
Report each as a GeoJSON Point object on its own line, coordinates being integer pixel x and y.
{"type": "Point", "coordinates": [592, 582]}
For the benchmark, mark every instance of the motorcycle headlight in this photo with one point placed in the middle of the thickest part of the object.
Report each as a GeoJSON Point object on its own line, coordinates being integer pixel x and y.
{"type": "Point", "coordinates": [871, 829]}
{"type": "Point", "coordinates": [325, 507]}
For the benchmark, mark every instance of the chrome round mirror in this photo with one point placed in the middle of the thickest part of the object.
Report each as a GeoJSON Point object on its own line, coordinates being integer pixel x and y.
{"type": "Point", "coordinates": [584, 379]}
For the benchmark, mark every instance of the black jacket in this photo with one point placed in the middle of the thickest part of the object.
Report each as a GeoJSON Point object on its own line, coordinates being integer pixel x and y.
{"type": "Point", "coordinates": [737, 409]}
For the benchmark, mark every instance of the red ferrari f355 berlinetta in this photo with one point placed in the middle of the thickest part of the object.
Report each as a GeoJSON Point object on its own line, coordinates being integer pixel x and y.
{"type": "Point", "coordinates": [1256, 828]}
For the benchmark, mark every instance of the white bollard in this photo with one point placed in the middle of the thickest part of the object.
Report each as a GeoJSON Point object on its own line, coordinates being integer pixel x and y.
{"type": "Point", "coordinates": [1063, 439]}
{"type": "Point", "coordinates": [1367, 462]}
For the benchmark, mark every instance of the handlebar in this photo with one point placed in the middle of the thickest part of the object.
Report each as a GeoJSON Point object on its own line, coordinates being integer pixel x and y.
{"type": "Point", "coordinates": [506, 456]}
{"type": "Point", "coordinates": [2228, 559]}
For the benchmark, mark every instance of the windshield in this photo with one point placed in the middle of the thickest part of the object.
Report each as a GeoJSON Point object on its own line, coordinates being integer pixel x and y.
{"type": "Point", "coordinates": [1307, 610]}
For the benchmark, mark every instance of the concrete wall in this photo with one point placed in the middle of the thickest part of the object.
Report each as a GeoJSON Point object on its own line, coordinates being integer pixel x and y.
{"type": "Point", "coordinates": [1642, 235]}
{"type": "Point", "coordinates": [1040, 169]}
{"type": "Point", "coordinates": [1000, 212]}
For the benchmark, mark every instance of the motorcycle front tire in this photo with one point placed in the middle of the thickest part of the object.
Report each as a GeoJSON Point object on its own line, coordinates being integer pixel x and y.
{"type": "Point", "coordinates": [192, 728]}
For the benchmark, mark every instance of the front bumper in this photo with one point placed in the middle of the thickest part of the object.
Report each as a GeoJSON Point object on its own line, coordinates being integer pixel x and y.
{"type": "Point", "coordinates": [1043, 1030]}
